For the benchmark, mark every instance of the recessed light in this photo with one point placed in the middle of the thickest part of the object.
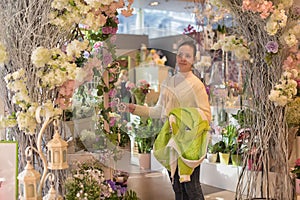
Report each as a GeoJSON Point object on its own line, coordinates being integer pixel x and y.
{"type": "Point", "coordinates": [154, 3]}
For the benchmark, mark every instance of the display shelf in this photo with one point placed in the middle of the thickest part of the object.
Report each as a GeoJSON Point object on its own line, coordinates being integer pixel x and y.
{"type": "Point", "coordinates": [220, 175]}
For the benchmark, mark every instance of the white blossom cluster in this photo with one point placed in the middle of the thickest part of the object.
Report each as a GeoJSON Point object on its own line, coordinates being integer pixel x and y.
{"type": "Point", "coordinates": [290, 37]}
{"type": "Point", "coordinates": [276, 21]}
{"type": "Point", "coordinates": [25, 118]}
{"type": "Point", "coordinates": [95, 175]}
{"type": "Point", "coordinates": [285, 90]}
{"type": "Point", "coordinates": [54, 66]}
{"type": "Point", "coordinates": [237, 46]}
{"type": "Point", "coordinates": [87, 12]}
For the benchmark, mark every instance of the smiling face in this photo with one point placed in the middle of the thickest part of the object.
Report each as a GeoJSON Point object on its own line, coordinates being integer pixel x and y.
{"type": "Point", "coordinates": [185, 58]}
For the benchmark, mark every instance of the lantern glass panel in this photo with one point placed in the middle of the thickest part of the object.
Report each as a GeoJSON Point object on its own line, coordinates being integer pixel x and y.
{"type": "Point", "coordinates": [56, 157]}
{"type": "Point", "coordinates": [22, 189]}
{"type": "Point", "coordinates": [64, 156]}
{"type": "Point", "coordinates": [49, 156]}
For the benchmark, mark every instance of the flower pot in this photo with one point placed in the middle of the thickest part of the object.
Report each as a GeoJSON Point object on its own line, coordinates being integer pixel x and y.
{"type": "Point", "coordinates": [212, 157]}
{"type": "Point", "coordinates": [145, 160]}
{"type": "Point", "coordinates": [297, 186]}
{"type": "Point", "coordinates": [224, 158]}
{"type": "Point", "coordinates": [236, 159]}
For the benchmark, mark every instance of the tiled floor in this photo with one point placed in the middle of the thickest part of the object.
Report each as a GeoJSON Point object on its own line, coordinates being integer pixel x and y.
{"type": "Point", "coordinates": [155, 185]}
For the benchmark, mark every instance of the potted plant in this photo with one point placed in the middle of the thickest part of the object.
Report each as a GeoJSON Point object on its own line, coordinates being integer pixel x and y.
{"type": "Point", "coordinates": [212, 152]}
{"type": "Point", "coordinates": [236, 154]}
{"type": "Point", "coordinates": [145, 132]}
{"type": "Point", "coordinates": [224, 152]}
{"type": "Point", "coordinates": [229, 136]}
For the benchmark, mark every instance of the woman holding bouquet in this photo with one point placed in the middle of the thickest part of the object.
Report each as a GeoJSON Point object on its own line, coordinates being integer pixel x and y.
{"type": "Point", "coordinates": [183, 90]}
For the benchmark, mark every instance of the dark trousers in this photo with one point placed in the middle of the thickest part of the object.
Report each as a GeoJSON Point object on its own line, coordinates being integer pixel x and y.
{"type": "Point", "coordinates": [188, 190]}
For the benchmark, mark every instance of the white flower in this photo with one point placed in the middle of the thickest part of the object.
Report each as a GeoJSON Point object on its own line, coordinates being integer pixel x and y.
{"type": "Point", "coordinates": [40, 57]}
{"type": "Point", "coordinates": [290, 39]}
{"type": "Point", "coordinates": [271, 27]}
{"type": "Point", "coordinates": [76, 47]}
{"type": "Point", "coordinates": [26, 122]}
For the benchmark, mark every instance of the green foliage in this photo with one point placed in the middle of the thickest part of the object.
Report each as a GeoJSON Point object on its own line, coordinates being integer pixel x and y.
{"type": "Point", "coordinates": [221, 147]}
{"type": "Point", "coordinates": [146, 132]}
{"type": "Point", "coordinates": [229, 134]}
{"type": "Point", "coordinates": [131, 195]}
{"type": "Point", "coordinates": [213, 148]}
{"type": "Point", "coordinates": [241, 117]}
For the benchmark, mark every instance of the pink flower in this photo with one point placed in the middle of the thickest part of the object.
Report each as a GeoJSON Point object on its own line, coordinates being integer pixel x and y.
{"type": "Point", "coordinates": [129, 85]}
{"type": "Point", "coordinates": [98, 45]}
{"type": "Point", "coordinates": [112, 121]}
{"type": "Point", "coordinates": [107, 59]}
{"type": "Point", "coordinates": [297, 164]}
{"type": "Point", "coordinates": [112, 92]}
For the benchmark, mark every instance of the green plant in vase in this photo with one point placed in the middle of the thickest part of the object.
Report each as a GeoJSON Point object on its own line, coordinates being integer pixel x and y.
{"type": "Point", "coordinates": [212, 152]}
{"type": "Point", "coordinates": [140, 91]}
{"type": "Point", "coordinates": [145, 133]}
{"type": "Point", "coordinates": [236, 153]}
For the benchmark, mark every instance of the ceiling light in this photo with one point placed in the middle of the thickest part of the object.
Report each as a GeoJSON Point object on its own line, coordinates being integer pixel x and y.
{"type": "Point", "coordinates": [154, 3]}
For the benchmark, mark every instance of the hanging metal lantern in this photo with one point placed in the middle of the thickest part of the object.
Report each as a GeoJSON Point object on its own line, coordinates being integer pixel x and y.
{"type": "Point", "coordinates": [52, 194]}
{"type": "Point", "coordinates": [28, 181]}
{"type": "Point", "coordinates": [57, 151]}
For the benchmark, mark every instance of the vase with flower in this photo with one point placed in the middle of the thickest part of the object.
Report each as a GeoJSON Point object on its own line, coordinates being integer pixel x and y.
{"type": "Point", "coordinates": [140, 91]}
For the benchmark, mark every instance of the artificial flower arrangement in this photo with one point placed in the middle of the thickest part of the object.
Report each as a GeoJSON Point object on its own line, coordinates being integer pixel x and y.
{"type": "Point", "coordinates": [88, 182]}
{"type": "Point", "coordinates": [287, 32]}
{"type": "Point", "coordinates": [288, 87]}
{"type": "Point", "coordinates": [140, 90]}
{"type": "Point", "coordinates": [233, 44]}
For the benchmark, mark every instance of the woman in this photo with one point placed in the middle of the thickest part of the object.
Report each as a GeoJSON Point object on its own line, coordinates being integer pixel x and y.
{"type": "Point", "coordinates": [183, 89]}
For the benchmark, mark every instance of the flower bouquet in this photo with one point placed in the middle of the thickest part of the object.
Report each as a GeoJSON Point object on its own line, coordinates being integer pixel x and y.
{"type": "Point", "coordinates": [140, 91]}
{"type": "Point", "coordinates": [88, 182]}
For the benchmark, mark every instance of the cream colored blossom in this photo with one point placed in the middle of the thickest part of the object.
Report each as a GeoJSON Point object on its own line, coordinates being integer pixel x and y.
{"type": "Point", "coordinates": [40, 57]}
{"type": "Point", "coordinates": [271, 27]}
{"type": "Point", "coordinates": [287, 3]}
{"type": "Point", "coordinates": [26, 121]}
{"type": "Point", "coordinates": [276, 21]}
{"type": "Point", "coordinates": [60, 4]}
{"type": "Point", "coordinates": [277, 98]}
{"type": "Point", "coordinates": [290, 40]}
{"type": "Point", "coordinates": [75, 48]}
